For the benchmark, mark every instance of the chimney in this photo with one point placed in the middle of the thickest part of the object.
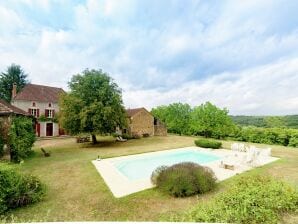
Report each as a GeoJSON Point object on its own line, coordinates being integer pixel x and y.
{"type": "Point", "coordinates": [14, 91]}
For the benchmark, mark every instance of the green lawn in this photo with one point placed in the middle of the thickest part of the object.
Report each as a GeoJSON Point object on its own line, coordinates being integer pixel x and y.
{"type": "Point", "coordinates": [76, 192]}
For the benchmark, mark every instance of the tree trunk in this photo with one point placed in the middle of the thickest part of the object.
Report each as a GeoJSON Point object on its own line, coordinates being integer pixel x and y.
{"type": "Point", "coordinates": [94, 140]}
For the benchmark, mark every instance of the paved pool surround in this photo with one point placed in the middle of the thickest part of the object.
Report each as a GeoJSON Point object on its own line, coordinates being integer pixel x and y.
{"type": "Point", "coordinates": [121, 186]}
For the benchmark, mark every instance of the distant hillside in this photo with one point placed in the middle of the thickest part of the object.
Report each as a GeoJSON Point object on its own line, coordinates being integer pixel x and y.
{"type": "Point", "coordinates": [290, 121]}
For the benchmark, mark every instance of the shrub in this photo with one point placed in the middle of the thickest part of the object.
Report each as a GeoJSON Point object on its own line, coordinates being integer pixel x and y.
{"type": "Point", "coordinates": [156, 173]}
{"type": "Point", "coordinates": [294, 140]}
{"type": "Point", "coordinates": [184, 179]}
{"type": "Point", "coordinates": [127, 136]}
{"type": "Point", "coordinates": [205, 143]}
{"type": "Point", "coordinates": [21, 138]}
{"type": "Point", "coordinates": [280, 136]}
{"type": "Point", "coordinates": [255, 199]}
{"type": "Point", "coordinates": [17, 189]}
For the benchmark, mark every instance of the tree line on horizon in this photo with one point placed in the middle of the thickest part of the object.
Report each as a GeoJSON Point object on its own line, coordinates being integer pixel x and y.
{"type": "Point", "coordinates": [210, 121]}
{"type": "Point", "coordinates": [286, 121]}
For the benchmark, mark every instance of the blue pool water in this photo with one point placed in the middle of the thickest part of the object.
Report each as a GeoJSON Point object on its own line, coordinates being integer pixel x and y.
{"type": "Point", "coordinates": [142, 167]}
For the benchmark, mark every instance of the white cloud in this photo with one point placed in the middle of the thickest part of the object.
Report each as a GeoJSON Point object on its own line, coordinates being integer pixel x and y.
{"type": "Point", "coordinates": [270, 89]}
{"type": "Point", "coordinates": [235, 54]}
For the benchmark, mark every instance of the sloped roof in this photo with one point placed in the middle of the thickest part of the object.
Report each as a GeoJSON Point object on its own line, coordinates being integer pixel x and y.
{"type": "Point", "coordinates": [6, 108]}
{"type": "Point", "coordinates": [132, 112]}
{"type": "Point", "coordinates": [32, 92]}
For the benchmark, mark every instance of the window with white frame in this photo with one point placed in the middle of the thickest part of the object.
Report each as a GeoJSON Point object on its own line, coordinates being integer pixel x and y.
{"type": "Point", "coordinates": [34, 112]}
{"type": "Point", "coordinates": [50, 113]}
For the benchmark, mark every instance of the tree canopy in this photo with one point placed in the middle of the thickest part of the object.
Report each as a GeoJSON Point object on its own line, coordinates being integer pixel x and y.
{"type": "Point", "coordinates": [176, 116]}
{"type": "Point", "coordinates": [94, 105]}
{"type": "Point", "coordinates": [14, 74]}
{"type": "Point", "coordinates": [211, 121]}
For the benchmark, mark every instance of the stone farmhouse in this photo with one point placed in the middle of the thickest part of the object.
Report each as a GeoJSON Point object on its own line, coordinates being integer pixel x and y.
{"type": "Point", "coordinates": [141, 122]}
{"type": "Point", "coordinates": [7, 111]}
{"type": "Point", "coordinates": [40, 102]}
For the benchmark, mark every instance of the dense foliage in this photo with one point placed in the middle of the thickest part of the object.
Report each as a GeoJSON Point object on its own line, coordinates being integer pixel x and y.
{"type": "Point", "coordinates": [205, 143]}
{"type": "Point", "coordinates": [254, 199]}
{"type": "Point", "coordinates": [206, 119]}
{"type": "Point", "coordinates": [184, 179]}
{"type": "Point", "coordinates": [14, 74]}
{"type": "Point", "coordinates": [21, 138]}
{"type": "Point", "coordinates": [211, 121]}
{"type": "Point", "coordinates": [176, 116]}
{"type": "Point", "coordinates": [17, 189]}
{"type": "Point", "coordinates": [93, 105]}
{"type": "Point", "coordinates": [279, 136]}
{"type": "Point", "coordinates": [289, 121]}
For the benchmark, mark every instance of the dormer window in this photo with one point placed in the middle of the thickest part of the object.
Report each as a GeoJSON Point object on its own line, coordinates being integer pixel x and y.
{"type": "Point", "coordinates": [50, 105]}
{"type": "Point", "coordinates": [33, 104]}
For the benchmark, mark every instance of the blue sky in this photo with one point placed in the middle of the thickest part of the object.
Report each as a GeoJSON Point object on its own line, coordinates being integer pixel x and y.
{"type": "Point", "coordinates": [242, 55]}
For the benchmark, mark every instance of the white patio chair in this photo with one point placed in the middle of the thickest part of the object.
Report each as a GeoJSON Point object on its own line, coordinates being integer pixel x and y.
{"type": "Point", "coordinates": [234, 147]}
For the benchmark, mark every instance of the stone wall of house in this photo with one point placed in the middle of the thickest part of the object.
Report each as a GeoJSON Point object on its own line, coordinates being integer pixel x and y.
{"type": "Point", "coordinates": [42, 106]}
{"type": "Point", "coordinates": [142, 123]}
{"type": "Point", "coordinates": [43, 129]}
{"type": "Point", "coordinates": [160, 130]}
{"type": "Point", "coordinates": [4, 126]}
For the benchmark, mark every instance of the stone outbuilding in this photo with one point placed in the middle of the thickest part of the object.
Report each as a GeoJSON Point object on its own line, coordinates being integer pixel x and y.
{"type": "Point", "coordinates": [141, 122]}
{"type": "Point", "coordinates": [7, 112]}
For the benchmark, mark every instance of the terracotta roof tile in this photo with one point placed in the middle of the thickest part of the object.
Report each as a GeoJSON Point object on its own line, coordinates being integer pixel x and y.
{"type": "Point", "coordinates": [6, 108]}
{"type": "Point", "coordinates": [132, 112]}
{"type": "Point", "coordinates": [32, 92]}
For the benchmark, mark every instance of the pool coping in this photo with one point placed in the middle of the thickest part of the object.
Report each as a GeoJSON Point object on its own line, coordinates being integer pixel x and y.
{"type": "Point", "coordinates": [121, 186]}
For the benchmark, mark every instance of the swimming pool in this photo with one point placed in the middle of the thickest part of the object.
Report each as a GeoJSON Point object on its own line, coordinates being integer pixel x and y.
{"type": "Point", "coordinates": [141, 167]}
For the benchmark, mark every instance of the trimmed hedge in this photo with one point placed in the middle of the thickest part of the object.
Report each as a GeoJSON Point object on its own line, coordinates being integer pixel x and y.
{"type": "Point", "coordinates": [184, 179]}
{"type": "Point", "coordinates": [205, 143]}
{"type": "Point", "coordinates": [255, 199]}
{"type": "Point", "coordinates": [278, 136]}
{"type": "Point", "coordinates": [17, 190]}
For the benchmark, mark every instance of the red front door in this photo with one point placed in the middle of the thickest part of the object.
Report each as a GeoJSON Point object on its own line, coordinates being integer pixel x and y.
{"type": "Point", "coordinates": [37, 129]}
{"type": "Point", "coordinates": [49, 129]}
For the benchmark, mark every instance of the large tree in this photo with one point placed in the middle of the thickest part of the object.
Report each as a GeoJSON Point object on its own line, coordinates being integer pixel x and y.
{"type": "Point", "coordinates": [176, 116]}
{"type": "Point", "coordinates": [211, 121]}
{"type": "Point", "coordinates": [93, 105]}
{"type": "Point", "coordinates": [13, 75]}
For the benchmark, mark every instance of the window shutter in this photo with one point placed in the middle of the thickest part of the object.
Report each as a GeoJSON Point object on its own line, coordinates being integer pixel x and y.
{"type": "Point", "coordinates": [29, 111]}
{"type": "Point", "coordinates": [37, 112]}
{"type": "Point", "coordinates": [53, 113]}
{"type": "Point", "coordinates": [46, 113]}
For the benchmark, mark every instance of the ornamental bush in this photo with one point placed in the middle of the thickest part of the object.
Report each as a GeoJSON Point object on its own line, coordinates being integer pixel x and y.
{"type": "Point", "coordinates": [184, 179]}
{"type": "Point", "coordinates": [17, 190]}
{"type": "Point", "coordinates": [21, 138]}
{"type": "Point", "coordinates": [255, 199]}
{"type": "Point", "coordinates": [205, 143]}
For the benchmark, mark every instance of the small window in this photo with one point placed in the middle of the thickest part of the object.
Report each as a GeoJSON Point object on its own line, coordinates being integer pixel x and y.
{"type": "Point", "coordinates": [33, 104]}
{"type": "Point", "coordinates": [50, 105]}
{"type": "Point", "coordinates": [34, 112]}
{"type": "Point", "coordinates": [50, 113]}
